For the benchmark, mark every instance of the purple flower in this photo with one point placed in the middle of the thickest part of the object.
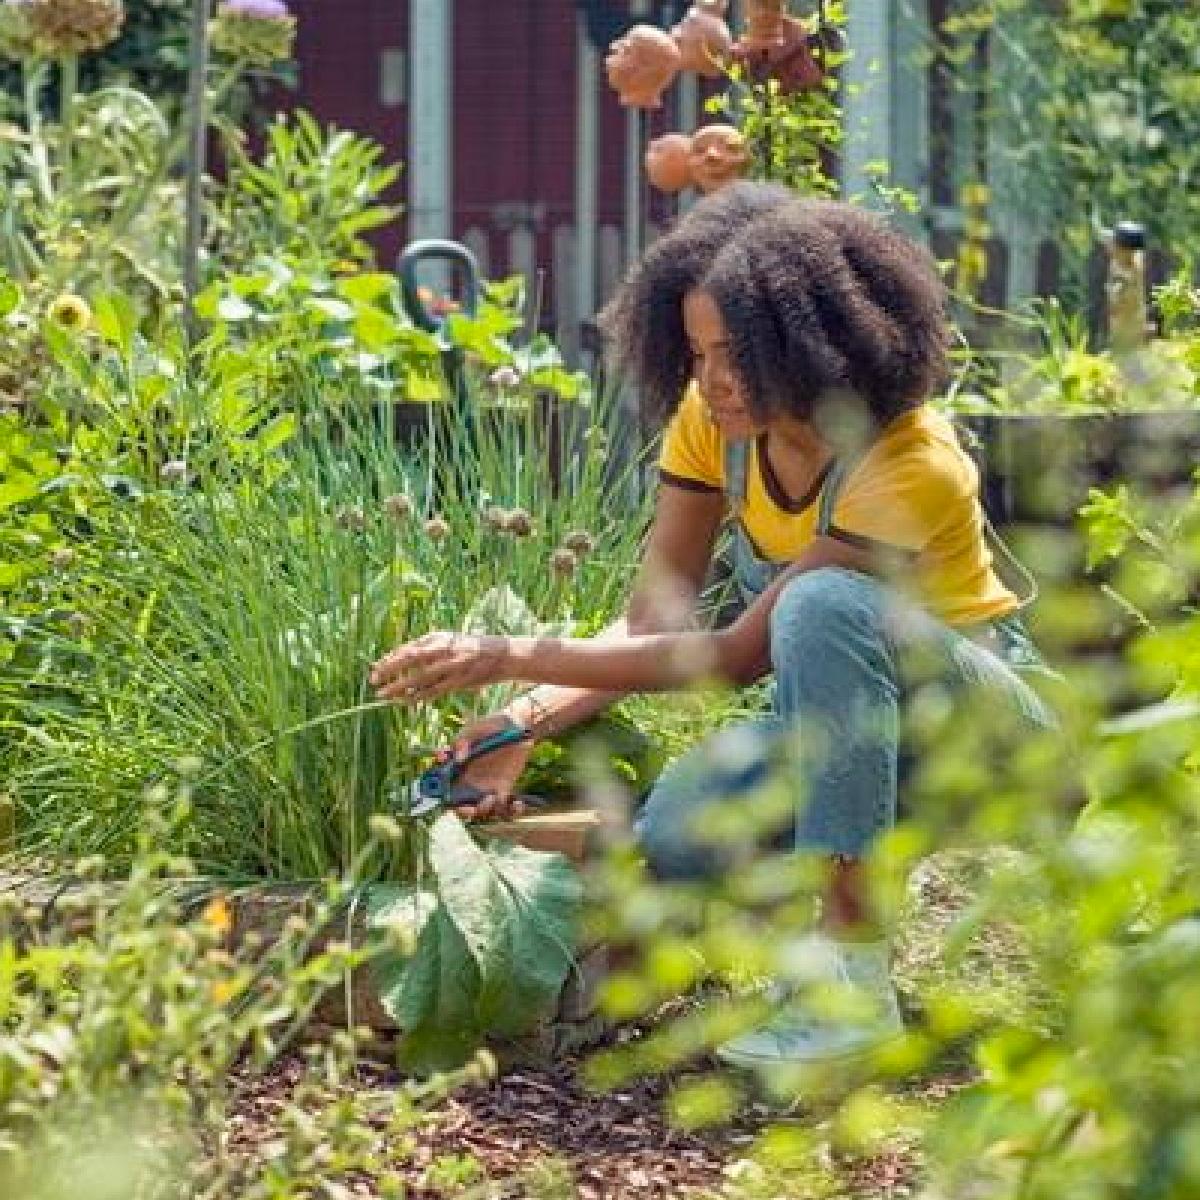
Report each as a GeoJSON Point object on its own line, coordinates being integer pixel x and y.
{"type": "Point", "coordinates": [265, 10]}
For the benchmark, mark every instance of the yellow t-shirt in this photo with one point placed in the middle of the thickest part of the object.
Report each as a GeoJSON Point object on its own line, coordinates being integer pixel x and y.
{"type": "Point", "coordinates": [914, 493]}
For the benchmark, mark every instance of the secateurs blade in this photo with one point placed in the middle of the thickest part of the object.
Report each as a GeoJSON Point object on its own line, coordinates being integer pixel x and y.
{"type": "Point", "coordinates": [433, 789]}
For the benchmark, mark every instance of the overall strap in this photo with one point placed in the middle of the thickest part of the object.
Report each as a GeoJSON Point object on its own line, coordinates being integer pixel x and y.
{"type": "Point", "coordinates": [737, 468]}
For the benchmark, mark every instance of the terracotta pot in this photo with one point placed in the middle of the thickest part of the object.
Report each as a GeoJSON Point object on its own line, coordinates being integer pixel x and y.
{"type": "Point", "coordinates": [764, 22]}
{"type": "Point", "coordinates": [668, 162]}
{"type": "Point", "coordinates": [704, 42]}
{"type": "Point", "coordinates": [776, 46]}
{"type": "Point", "coordinates": [718, 157]}
{"type": "Point", "coordinates": [641, 65]}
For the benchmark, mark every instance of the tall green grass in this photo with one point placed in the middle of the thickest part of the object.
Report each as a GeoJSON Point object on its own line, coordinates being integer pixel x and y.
{"type": "Point", "coordinates": [236, 614]}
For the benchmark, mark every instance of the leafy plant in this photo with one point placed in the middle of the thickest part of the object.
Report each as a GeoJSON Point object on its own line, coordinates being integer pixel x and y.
{"type": "Point", "coordinates": [307, 201]}
{"type": "Point", "coordinates": [1063, 375]}
{"type": "Point", "coordinates": [792, 137]}
{"type": "Point", "coordinates": [125, 1017]}
{"type": "Point", "coordinates": [91, 198]}
{"type": "Point", "coordinates": [1095, 104]}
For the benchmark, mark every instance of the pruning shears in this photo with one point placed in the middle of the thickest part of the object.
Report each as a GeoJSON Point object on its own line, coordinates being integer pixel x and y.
{"type": "Point", "coordinates": [434, 788]}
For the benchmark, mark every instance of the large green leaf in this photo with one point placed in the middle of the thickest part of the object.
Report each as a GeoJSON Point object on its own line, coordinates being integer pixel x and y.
{"type": "Point", "coordinates": [490, 958]}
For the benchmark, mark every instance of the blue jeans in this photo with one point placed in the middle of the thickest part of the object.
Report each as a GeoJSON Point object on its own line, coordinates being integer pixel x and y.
{"type": "Point", "coordinates": [843, 647]}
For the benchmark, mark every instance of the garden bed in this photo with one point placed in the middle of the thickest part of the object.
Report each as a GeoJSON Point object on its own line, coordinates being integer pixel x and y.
{"type": "Point", "coordinates": [1038, 469]}
{"type": "Point", "coordinates": [48, 903]}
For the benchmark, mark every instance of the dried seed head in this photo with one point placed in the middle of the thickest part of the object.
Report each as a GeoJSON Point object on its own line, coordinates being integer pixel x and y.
{"type": "Point", "coordinates": [174, 471]}
{"type": "Point", "coordinates": [520, 523]}
{"type": "Point", "coordinates": [399, 507]}
{"type": "Point", "coordinates": [437, 529]}
{"type": "Point", "coordinates": [62, 558]}
{"type": "Point", "coordinates": [295, 926]}
{"type": "Point", "coordinates": [580, 541]}
{"type": "Point", "coordinates": [496, 518]}
{"type": "Point", "coordinates": [352, 518]}
{"type": "Point", "coordinates": [563, 563]}
{"type": "Point", "coordinates": [79, 624]}
{"type": "Point", "coordinates": [63, 27]}
{"type": "Point", "coordinates": [16, 32]}
{"type": "Point", "coordinates": [482, 1068]}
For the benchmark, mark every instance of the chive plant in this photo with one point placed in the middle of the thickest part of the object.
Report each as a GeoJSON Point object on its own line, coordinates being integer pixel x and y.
{"type": "Point", "coordinates": [236, 613]}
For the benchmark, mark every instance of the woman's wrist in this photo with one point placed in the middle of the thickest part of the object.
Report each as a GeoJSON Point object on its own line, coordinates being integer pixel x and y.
{"type": "Point", "coordinates": [532, 711]}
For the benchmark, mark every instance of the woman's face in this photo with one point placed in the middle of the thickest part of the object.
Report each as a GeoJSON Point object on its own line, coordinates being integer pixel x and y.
{"type": "Point", "coordinates": [713, 371]}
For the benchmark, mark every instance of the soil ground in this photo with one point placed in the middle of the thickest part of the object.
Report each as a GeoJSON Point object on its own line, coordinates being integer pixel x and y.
{"type": "Point", "coordinates": [542, 1134]}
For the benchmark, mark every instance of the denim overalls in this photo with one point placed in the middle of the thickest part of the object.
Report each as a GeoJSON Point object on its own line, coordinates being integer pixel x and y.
{"type": "Point", "coordinates": [839, 640]}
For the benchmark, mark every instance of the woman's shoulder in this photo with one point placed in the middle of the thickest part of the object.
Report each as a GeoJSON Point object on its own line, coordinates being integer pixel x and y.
{"type": "Point", "coordinates": [920, 441]}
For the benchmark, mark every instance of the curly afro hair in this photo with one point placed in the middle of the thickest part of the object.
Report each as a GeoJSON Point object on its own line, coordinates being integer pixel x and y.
{"type": "Point", "coordinates": [643, 323]}
{"type": "Point", "coordinates": [823, 302]}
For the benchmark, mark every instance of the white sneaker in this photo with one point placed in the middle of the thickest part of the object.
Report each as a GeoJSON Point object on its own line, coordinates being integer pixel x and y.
{"type": "Point", "coordinates": [797, 1034]}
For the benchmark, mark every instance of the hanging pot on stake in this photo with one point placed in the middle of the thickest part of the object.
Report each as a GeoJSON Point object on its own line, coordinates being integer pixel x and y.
{"type": "Point", "coordinates": [777, 46]}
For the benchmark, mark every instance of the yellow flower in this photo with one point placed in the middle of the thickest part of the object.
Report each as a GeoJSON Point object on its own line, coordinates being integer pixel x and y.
{"type": "Point", "coordinates": [224, 990]}
{"type": "Point", "coordinates": [218, 915]}
{"type": "Point", "coordinates": [70, 312]}
{"type": "Point", "coordinates": [975, 195]}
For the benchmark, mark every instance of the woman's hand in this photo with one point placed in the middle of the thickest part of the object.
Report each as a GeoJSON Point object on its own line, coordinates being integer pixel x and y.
{"type": "Point", "coordinates": [438, 663]}
{"type": "Point", "coordinates": [493, 775]}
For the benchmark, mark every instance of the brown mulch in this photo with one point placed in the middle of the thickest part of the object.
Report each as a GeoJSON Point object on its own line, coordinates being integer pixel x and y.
{"type": "Point", "coordinates": [616, 1143]}
{"type": "Point", "coordinates": [612, 1145]}
{"type": "Point", "coordinates": [609, 1146]}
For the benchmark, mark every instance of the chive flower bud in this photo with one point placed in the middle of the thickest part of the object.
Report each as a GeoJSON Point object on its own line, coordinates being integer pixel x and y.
{"type": "Point", "coordinates": [399, 507]}
{"type": "Point", "coordinates": [563, 563]}
{"type": "Point", "coordinates": [520, 523]}
{"type": "Point", "coordinates": [496, 518]}
{"type": "Point", "coordinates": [353, 518]}
{"type": "Point", "coordinates": [437, 529]}
{"type": "Point", "coordinates": [505, 378]}
{"type": "Point", "coordinates": [581, 542]}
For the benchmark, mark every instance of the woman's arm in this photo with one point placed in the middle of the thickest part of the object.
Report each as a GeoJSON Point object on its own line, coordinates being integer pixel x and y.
{"type": "Point", "coordinates": [674, 564]}
{"type": "Point", "coordinates": [444, 662]}
{"type": "Point", "coordinates": [739, 654]}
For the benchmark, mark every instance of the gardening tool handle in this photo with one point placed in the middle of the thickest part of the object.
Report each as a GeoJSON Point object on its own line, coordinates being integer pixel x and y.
{"type": "Point", "coordinates": [436, 250]}
{"type": "Point", "coordinates": [439, 779]}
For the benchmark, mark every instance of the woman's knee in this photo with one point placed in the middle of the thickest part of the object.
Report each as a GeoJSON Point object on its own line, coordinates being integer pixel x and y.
{"type": "Point", "coordinates": [828, 604]}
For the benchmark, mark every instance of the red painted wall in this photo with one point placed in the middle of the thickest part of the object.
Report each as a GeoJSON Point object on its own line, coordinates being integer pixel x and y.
{"type": "Point", "coordinates": [338, 45]}
{"type": "Point", "coordinates": [514, 120]}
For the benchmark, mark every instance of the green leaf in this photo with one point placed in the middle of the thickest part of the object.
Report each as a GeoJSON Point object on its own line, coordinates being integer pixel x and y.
{"type": "Point", "coordinates": [566, 385]}
{"type": "Point", "coordinates": [494, 953]}
{"type": "Point", "coordinates": [531, 950]}
{"type": "Point", "coordinates": [374, 329]}
{"type": "Point", "coordinates": [424, 388]}
{"type": "Point", "coordinates": [276, 432]}
{"type": "Point", "coordinates": [116, 320]}
{"type": "Point", "coordinates": [17, 491]}
{"type": "Point", "coordinates": [335, 310]}
{"type": "Point", "coordinates": [366, 288]}
{"type": "Point", "coordinates": [10, 296]}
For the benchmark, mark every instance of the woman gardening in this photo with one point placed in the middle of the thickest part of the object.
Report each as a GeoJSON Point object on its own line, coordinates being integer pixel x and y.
{"type": "Point", "coordinates": [793, 345]}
